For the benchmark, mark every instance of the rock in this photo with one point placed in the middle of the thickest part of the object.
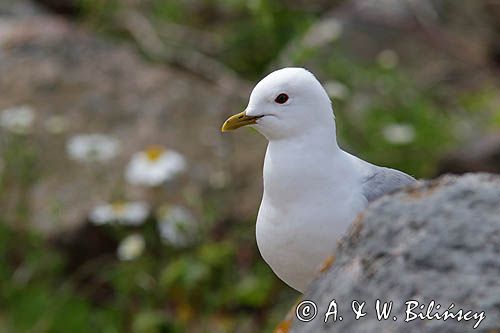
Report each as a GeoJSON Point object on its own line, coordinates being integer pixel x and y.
{"type": "Point", "coordinates": [439, 240]}
{"type": "Point", "coordinates": [18, 8]}
{"type": "Point", "coordinates": [95, 85]}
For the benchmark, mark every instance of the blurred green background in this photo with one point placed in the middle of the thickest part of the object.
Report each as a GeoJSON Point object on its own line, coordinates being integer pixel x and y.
{"type": "Point", "coordinates": [414, 86]}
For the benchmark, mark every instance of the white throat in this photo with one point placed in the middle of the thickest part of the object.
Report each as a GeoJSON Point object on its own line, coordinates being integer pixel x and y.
{"type": "Point", "coordinates": [291, 164]}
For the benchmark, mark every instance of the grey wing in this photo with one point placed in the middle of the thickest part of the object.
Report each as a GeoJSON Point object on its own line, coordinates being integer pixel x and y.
{"type": "Point", "coordinates": [384, 180]}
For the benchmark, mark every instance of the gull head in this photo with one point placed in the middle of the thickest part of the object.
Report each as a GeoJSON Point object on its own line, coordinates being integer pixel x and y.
{"type": "Point", "coordinates": [289, 102]}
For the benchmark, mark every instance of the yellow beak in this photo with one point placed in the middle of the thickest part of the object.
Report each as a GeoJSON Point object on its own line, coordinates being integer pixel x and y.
{"type": "Point", "coordinates": [237, 121]}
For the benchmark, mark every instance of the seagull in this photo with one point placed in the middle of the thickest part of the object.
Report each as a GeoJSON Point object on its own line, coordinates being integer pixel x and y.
{"type": "Point", "coordinates": [313, 190]}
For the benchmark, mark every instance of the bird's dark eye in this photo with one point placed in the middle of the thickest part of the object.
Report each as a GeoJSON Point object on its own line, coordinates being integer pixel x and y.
{"type": "Point", "coordinates": [281, 98]}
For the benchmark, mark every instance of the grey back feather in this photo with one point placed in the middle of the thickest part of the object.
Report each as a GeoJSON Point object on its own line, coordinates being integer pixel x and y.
{"type": "Point", "coordinates": [384, 180]}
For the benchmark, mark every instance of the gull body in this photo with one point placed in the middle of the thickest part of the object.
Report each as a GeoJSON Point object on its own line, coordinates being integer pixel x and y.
{"type": "Point", "coordinates": [313, 190]}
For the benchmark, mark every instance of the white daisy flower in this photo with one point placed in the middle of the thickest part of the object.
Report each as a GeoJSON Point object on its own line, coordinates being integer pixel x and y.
{"type": "Point", "coordinates": [125, 213]}
{"type": "Point", "coordinates": [177, 226]}
{"type": "Point", "coordinates": [336, 89]}
{"type": "Point", "coordinates": [92, 147]}
{"type": "Point", "coordinates": [154, 166]}
{"type": "Point", "coordinates": [18, 119]}
{"type": "Point", "coordinates": [399, 134]}
{"type": "Point", "coordinates": [131, 247]}
{"type": "Point", "coordinates": [388, 59]}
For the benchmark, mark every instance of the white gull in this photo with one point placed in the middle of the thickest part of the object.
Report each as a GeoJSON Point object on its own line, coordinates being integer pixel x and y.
{"type": "Point", "coordinates": [313, 190]}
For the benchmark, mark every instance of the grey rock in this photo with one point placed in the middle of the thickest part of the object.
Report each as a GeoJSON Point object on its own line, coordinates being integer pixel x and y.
{"type": "Point", "coordinates": [439, 240]}
{"type": "Point", "coordinates": [18, 8]}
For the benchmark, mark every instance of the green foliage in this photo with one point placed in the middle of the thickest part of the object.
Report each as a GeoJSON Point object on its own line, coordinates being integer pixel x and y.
{"type": "Point", "coordinates": [254, 289]}
{"type": "Point", "coordinates": [19, 172]}
{"type": "Point", "coordinates": [32, 298]}
{"type": "Point", "coordinates": [20, 157]}
{"type": "Point", "coordinates": [99, 13]}
{"type": "Point", "coordinates": [481, 107]}
{"type": "Point", "coordinates": [254, 40]}
{"type": "Point", "coordinates": [149, 293]}
{"type": "Point", "coordinates": [150, 321]}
